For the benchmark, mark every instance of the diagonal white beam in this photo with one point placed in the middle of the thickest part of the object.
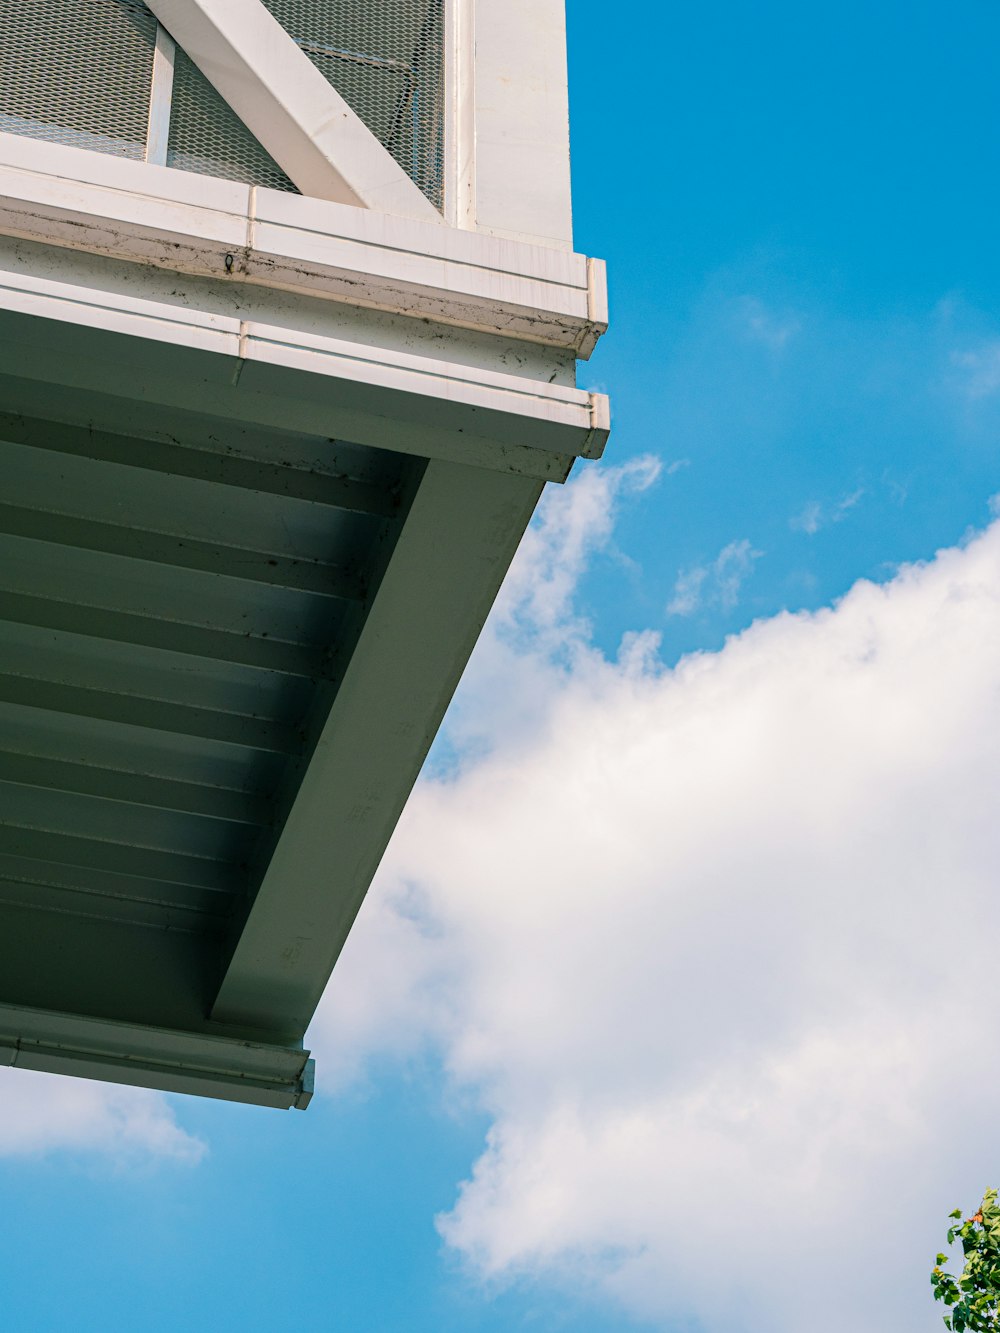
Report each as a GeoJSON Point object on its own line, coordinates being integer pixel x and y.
{"type": "Point", "coordinates": [455, 547]}
{"type": "Point", "coordinates": [280, 95]}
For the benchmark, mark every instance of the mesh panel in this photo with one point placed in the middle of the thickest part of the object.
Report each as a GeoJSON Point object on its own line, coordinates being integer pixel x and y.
{"type": "Point", "coordinates": [206, 136]}
{"type": "Point", "coordinates": [386, 60]}
{"type": "Point", "coordinates": [80, 73]}
{"type": "Point", "coordinates": [77, 73]}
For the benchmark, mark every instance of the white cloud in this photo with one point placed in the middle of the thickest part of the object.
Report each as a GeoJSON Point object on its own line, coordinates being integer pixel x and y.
{"type": "Point", "coordinates": [809, 520]}
{"type": "Point", "coordinates": [733, 565]}
{"type": "Point", "coordinates": [713, 946]}
{"type": "Point", "coordinates": [688, 591]}
{"type": "Point", "coordinates": [979, 370]}
{"type": "Point", "coordinates": [717, 583]}
{"type": "Point", "coordinates": [815, 515]}
{"type": "Point", "coordinates": [42, 1113]}
{"type": "Point", "coordinates": [766, 325]}
{"type": "Point", "coordinates": [575, 522]}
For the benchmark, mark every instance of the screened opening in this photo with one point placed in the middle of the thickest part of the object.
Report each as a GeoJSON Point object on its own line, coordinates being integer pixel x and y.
{"type": "Point", "coordinates": [81, 74]}
{"type": "Point", "coordinates": [387, 62]}
{"type": "Point", "coordinates": [77, 74]}
{"type": "Point", "coordinates": [207, 136]}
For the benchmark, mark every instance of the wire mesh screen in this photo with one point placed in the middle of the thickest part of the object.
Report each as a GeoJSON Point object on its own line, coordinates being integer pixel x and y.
{"type": "Point", "coordinates": [208, 137]}
{"type": "Point", "coordinates": [386, 60]}
{"type": "Point", "coordinates": [77, 73]}
{"type": "Point", "coordinates": [80, 73]}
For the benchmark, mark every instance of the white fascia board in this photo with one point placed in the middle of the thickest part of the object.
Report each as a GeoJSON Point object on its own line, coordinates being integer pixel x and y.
{"type": "Point", "coordinates": [188, 223]}
{"type": "Point", "coordinates": [279, 94]}
{"type": "Point", "coordinates": [208, 1065]}
{"type": "Point", "coordinates": [458, 277]}
{"type": "Point", "coordinates": [114, 312]}
{"type": "Point", "coordinates": [403, 372]}
{"type": "Point", "coordinates": [576, 420]}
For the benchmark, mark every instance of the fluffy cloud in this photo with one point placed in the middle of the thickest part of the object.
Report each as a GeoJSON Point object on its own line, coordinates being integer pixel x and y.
{"type": "Point", "coordinates": [41, 1113]}
{"type": "Point", "coordinates": [714, 946]}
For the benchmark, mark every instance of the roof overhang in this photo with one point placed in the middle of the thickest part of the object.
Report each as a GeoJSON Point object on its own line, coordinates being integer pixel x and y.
{"type": "Point", "coordinates": [267, 462]}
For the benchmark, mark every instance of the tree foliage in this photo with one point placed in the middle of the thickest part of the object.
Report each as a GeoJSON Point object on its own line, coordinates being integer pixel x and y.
{"type": "Point", "coordinates": [974, 1296]}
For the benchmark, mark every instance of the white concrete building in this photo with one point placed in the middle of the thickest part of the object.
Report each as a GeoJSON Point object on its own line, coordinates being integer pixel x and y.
{"type": "Point", "coordinates": [289, 324]}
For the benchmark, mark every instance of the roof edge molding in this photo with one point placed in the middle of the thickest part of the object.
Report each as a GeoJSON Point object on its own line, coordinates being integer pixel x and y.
{"type": "Point", "coordinates": [300, 119]}
{"type": "Point", "coordinates": [228, 1068]}
{"type": "Point", "coordinates": [170, 219]}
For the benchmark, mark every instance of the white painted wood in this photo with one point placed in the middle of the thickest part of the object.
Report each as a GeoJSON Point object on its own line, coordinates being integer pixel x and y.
{"type": "Point", "coordinates": [188, 223]}
{"type": "Point", "coordinates": [522, 173]}
{"type": "Point", "coordinates": [90, 295]}
{"type": "Point", "coordinates": [45, 297]}
{"type": "Point", "coordinates": [250, 340]}
{"type": "Point", "coordinates": [399, 372]}
{"type": "Point", "coordinates": [444, 243]}
{"type": "Point", "coordinates": [460, 127]}
{"type": "Point", "coordinates": [280, 95]}
{"type": "Point", "coordinates": [78, 168]}
{"type": "Point", "coordinates": [160, 97]}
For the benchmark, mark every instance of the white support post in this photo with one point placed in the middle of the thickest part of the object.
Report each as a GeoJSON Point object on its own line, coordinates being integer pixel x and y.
{"type": "Point", "coordinates": [160, 97]}
{"type": "Point", "coordinates": [522, 177]}
{"type": "Point", "coordinates": [460, 115]}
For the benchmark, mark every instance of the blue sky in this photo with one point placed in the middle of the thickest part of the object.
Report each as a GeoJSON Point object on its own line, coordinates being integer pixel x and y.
{"type": "Point", "coordinates": [827, 177]}
{"type": "Point", "coordinates": [798, 208]}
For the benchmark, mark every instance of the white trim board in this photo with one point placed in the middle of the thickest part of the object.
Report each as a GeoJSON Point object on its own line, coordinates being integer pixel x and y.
{"type": "Point", "coordinates": [86, 323]}
{"type": "Point", "coordinates": [209, 1065]}
{"type": "Point", "coordinates": [174, 220]}
{"type": "Point", "coordinates": [582, 413]}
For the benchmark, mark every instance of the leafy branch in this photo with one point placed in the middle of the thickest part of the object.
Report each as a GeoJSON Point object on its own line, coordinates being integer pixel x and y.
{"type": "Point", "coordinates": [974, 1296]}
